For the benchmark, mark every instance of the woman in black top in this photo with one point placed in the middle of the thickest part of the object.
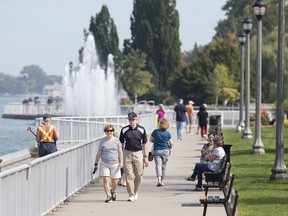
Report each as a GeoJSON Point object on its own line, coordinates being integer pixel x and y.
{"type": "Point", "coordinates": [202, 116]}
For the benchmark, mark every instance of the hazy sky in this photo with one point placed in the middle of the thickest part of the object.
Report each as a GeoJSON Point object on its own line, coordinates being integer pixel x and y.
{"type": "Point", "coordinates": [49, 33]}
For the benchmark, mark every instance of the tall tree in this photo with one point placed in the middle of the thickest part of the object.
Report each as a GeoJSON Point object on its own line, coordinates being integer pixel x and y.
{"type": "Point", "coordinates": [155, 31]}
{"type": "Point", "coordinates": [136, 80]}
{"type": "Point", "coordinates": [236, 11]}
{"type": "Point", "coordinates": [105, 34]}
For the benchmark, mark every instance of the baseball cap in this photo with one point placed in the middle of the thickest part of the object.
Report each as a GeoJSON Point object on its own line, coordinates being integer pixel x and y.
{"type": "Point", "coordinates": [46, 116]}
{"type": "Point", "coordinates": [132, 115]}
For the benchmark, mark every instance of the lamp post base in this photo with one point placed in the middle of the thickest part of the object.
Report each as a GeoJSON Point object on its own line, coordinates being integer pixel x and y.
{"type": "Point", "coordinates": [247, 134]}
{"type": "Point", "coordinates": [258, 147]}
{"type": "Point", "coordinates": [240, 127]}
{"type": "Point", "coordinates": [279, 170]}
{"type": "Point", "coordinates": [279, 175]}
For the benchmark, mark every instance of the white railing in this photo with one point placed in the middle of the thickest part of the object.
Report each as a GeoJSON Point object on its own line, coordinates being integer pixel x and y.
{"type": "Point", "coordinates": [39, 186]}
{"type": "Point", "coordinates": [30, 109]}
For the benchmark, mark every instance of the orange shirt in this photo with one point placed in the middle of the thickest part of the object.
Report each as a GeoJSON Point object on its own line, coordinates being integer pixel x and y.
{"type": "Point", "coordinates": [47, 133]}
{"type": "Point", "coordinates": [189, 109]}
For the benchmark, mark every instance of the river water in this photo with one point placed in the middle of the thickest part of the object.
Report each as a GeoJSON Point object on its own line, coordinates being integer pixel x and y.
{"type": "Point", "coordinates": [13, 132]}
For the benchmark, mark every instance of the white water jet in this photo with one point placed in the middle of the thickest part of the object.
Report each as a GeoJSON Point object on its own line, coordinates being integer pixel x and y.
{"type": "Point", "coordinates": [88, 90]}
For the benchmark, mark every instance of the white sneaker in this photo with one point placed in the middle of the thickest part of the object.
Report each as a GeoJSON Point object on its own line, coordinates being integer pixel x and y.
{"type": "Point", "coordinates": [131, 198]}
{"type": "Point", "coordinates": [136, 196]}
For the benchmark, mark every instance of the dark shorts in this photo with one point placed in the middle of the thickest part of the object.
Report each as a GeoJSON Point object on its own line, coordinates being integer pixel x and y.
{"type": "Point", "coordinates": [46, 148]}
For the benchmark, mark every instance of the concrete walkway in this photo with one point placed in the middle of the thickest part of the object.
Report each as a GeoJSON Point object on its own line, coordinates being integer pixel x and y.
{"type": "Point", "coordinates": [175, 198]}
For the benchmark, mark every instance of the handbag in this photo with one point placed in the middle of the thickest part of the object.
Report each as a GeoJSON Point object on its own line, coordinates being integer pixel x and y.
{"type": "Point", "coordinates": [150, 154]}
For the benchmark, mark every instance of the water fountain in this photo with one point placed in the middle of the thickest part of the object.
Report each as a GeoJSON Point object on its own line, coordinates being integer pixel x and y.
{"type": "Point", "coordinates": [88, 89]}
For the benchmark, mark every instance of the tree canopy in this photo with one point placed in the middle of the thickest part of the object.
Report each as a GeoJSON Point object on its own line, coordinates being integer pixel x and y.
{"type": "Point", "coordinates": [155, 31]}
{"type": "Point", "coordinates": [105, 35]}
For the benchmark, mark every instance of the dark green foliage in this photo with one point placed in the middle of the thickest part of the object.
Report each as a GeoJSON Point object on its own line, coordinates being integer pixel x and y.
{"type": "Point", "coordinates": [136, 80]}
{"type": "Point", "coordinates": [105, 36]}
{"type": "Point", "coordinates": [196, 78]}
{"type": "Point", "coordinates": [155, 31]}
{"type": "Point", "coordinates": [236, 11]}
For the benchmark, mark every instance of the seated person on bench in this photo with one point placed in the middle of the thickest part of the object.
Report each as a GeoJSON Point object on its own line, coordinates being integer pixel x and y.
{"type": "Point", "coordinates": [214, 163]}
{"type": "Point", "coordinates": [207, 148]}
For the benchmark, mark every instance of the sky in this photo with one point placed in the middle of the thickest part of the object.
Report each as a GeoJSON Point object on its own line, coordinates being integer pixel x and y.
{"type": "Point", "coordinates": [49, 33]}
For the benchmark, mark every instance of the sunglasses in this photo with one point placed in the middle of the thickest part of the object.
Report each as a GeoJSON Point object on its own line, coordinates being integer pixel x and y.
{"type": "Point", "coordinates": [109, 130]}
{"type": "Point", "coordinates": [133, 119]}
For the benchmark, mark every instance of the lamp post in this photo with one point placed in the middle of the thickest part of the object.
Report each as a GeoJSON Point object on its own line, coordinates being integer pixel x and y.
{"type": "Point", "coordinates": [70, 68]}
{"type": "Point", "coordinates": [279, 170]}
{"type": "Point", "coordinates": [242, 40]}
{"type": "Point", "coordinates": [247, 26]}
{"type": "Point", "coordinates": [259, 11]}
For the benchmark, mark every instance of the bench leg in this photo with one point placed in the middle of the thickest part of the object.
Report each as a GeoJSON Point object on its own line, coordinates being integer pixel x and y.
{"type": "Point", "coordinates": [206, 191]}
{"type": "Point", "coordinates": [205, 209]}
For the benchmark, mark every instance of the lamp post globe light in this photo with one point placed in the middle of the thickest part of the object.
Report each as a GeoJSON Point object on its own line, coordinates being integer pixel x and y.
{"type": "Point", "coordinates": [242, 39]}
{"type": "Point", "coordinates": [259, 11]}
{"type": "Point", "coordinates": [279, 170]}
{"type": "Point", "coordinates": [247, 26]}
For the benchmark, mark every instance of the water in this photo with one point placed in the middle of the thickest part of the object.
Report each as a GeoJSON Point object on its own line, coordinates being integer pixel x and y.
{"type": "Point", "coordinates": [13, 132]}
{"type": "Point", "coordinates": [88, 90]}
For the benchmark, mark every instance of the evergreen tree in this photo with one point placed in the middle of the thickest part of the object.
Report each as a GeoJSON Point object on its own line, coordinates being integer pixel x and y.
{"type": "Point", "coordinates": [155, 31]}
{"type": "Point", "coordinates": [105, 35]}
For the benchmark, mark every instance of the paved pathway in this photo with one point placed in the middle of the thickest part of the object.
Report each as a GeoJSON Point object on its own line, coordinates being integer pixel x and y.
{"type": "Point", "coordinates": [175, 198]}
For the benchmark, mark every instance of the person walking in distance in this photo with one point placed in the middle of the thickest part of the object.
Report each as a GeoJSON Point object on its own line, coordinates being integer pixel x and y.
{"type": "Point", "coordinates": [203, 121]}
{"type": "Point", "coordinates": [162, 145]}
{"type": "Point", "coordinates": [134, 138]}
{"type": "Point", "coordinates": [190, 109]}
{"type": "Point", "coordinates": [160, 112]}
{"type": "Point", "coordinates": [110, 152]}
{"type": "Point", "coordinates": [47, 135]}
{"type": "Point", "coordinates": [180, 115]}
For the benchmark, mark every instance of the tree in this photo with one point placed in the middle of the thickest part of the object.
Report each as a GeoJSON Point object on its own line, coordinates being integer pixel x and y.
{"type": "Point", "coordinates": [135, 79]}
{"type": "Point", "coordinates": [229, 94]}
{"type": "Point", "coordinates": [155, 31]}
{"type": "Point", "coordinates": [197, 78]}
{"type": "Point", "coordinates": [222, 81]}
{"type": "Point", "coordinates": [34, 78]}
{"type": "Point", "coordinates": [11, 85]}
{"type": "Point", "coordinates": [236, 11]}
{"type": "Point", "coordinates": [105, 36]}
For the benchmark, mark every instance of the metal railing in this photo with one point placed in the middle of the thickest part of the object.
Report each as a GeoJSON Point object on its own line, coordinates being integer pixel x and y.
{"type": "Point", "coordinates": [30, 109]}
{"type": "Point", "coordinates": [39, 186]}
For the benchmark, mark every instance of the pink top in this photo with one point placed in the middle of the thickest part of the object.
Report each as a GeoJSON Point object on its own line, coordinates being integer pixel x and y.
{"type": "Point", "coordinates": [160, 113]}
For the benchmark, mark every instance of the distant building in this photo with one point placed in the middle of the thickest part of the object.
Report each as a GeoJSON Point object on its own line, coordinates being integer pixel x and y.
{"type": "Point", "coordinates": [52, 90]}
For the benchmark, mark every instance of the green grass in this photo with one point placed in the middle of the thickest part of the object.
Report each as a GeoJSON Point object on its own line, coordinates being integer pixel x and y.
{"type": "Point", "coordinates": [258, 195]}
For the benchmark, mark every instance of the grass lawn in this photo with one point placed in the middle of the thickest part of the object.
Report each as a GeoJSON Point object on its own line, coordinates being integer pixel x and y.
{"type": "Point", "coordinates": [258, 195]}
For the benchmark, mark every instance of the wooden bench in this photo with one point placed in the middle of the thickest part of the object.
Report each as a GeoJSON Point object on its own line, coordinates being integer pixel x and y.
{"type": "Point", "coordinates": [206, 200]}
{"type": "Point", "coordinates": [231, 206]}
{"type": "Point", "coordinates": [217, 179]}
